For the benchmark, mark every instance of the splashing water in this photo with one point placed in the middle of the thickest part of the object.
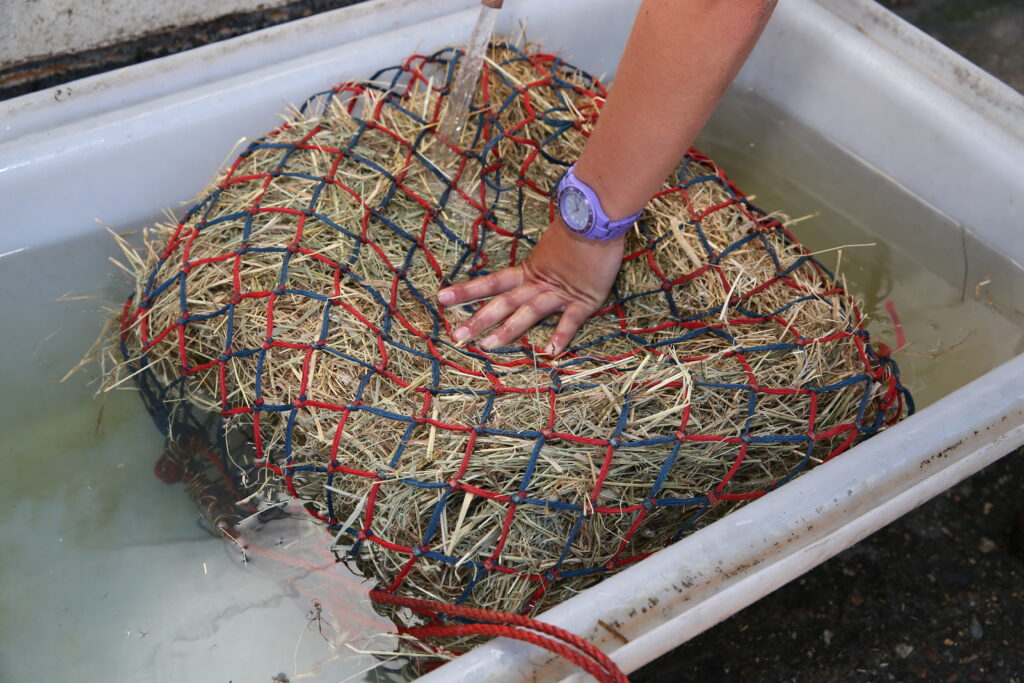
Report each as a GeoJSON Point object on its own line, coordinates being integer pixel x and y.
{"type": "Point", "coordinates": [466, 79]}
{"type": "Point", "coordinates": [453, 122]}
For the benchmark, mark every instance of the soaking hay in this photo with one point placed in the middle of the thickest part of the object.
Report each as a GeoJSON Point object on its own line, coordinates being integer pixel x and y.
{"type": "Point", "coordinates": [295, 304]}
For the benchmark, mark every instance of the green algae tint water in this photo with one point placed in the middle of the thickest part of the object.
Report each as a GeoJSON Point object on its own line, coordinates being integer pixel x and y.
{"type": "Point", "coordinates": [952, 294]}
{"type": "Point", "coordinates": [107, 576]}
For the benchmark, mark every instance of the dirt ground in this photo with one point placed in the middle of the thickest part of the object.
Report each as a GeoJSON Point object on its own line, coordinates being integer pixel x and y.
{"type": "Point", "coordinates": [936, 596]}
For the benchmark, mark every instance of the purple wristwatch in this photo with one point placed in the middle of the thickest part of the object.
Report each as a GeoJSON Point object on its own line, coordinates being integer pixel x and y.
{"type": "Point", "coordinates": [581, 210]}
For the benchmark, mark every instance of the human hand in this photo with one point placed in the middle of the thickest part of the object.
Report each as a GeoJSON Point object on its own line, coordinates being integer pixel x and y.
{"type": "Point", "coordinates": [564, 273]}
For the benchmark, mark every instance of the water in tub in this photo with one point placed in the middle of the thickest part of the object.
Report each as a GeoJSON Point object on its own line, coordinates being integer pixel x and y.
{"type": "Point", "coordinates": [107, 575]}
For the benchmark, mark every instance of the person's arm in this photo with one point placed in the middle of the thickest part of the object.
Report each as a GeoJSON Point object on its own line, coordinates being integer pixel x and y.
{"type": "Point", "coordinates": [680, 58]}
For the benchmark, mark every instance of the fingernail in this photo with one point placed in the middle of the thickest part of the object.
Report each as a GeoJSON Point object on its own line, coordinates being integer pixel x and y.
{"type": "Point", "coordinates": [445, 296]}
{"type": "Point", "coordinates": [550, 349]}
{"type": "Point", "coordinates": [490, 342]}
{"type": "Point", "coordinates": [460, 334]}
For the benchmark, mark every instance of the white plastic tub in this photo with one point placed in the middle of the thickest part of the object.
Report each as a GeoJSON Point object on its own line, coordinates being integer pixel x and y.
{"type": "Point", "coordinates": [933, 141]}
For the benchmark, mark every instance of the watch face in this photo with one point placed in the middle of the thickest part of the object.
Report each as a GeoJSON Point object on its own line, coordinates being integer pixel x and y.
{"type": "Point", "coordinates": [575, 210]}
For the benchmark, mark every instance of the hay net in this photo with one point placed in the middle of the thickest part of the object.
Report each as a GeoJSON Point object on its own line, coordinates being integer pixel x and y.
{"type": "Point", "coordinates": [290, 318]}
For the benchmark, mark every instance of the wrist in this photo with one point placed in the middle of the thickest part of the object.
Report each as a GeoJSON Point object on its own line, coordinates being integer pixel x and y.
{"type": "Point", "coordinates": [574, 240]}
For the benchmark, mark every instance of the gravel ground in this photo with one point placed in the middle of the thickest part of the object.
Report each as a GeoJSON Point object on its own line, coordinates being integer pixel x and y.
{"type": "Point", "coordinates": [936, 596]}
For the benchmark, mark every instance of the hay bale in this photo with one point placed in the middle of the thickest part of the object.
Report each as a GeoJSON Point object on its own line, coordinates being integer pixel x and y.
{"type": "Point", "coordinates": [295, 302]}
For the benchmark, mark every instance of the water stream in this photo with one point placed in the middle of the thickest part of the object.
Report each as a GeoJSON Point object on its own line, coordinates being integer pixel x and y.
{"type": "Point", "coordinates": [467, 77]}
{"type": "Point", "coordinates": [457, 211]}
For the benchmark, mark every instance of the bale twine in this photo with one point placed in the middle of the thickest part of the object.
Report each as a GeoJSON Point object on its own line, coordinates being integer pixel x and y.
{"type": "Point", "coordinates": [293, 308]}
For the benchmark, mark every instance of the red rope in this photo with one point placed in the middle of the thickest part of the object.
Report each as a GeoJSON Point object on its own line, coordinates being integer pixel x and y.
{"type": "Point", "coordinates": [897, 324]}
{"type": "Point", "coordinates": [585, 655]}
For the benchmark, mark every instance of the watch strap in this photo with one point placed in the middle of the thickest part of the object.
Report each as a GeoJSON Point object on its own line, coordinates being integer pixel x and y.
{"type": "Point", "coordinates": [603, 228]}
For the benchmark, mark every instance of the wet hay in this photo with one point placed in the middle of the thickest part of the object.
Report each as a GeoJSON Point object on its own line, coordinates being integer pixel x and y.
{"type": "Point", "coordinates": [295, 303]}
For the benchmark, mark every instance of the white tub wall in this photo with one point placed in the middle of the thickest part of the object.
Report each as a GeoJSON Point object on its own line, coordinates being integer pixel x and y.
{"type": "Point", "coordinates": [36, 29]}
{"type": "Point", "coordinates": [910, 107]}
